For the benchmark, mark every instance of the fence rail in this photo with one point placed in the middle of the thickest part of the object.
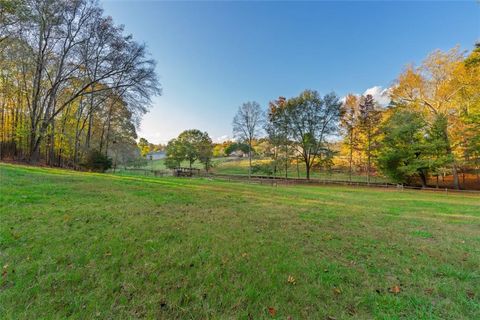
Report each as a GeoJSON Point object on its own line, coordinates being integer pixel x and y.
{"type": "Point", "coordinates": [260, 179]}
{"type": "Point", "coordinates": [146, 172]}
{"type": "Point", "coordinates": [316, 181]}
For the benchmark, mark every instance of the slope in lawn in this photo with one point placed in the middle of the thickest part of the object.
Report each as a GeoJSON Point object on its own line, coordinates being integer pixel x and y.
{"type": "Point", "coordinates": [102, 246]}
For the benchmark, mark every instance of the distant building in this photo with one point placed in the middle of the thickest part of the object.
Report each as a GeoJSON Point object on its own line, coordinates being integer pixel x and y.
{"type": "Point", "coordinates": [156, 155]}
{"type": "Point", "coordinates": [237, 153]}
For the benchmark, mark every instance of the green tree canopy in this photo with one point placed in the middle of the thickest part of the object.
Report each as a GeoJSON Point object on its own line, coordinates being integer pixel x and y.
{"type": "Point", "coordinates": [311, 119]}
{"type": "Point", "coordinates": [406, 148]}
{"type": "Point", "coordinates": [190, 145]}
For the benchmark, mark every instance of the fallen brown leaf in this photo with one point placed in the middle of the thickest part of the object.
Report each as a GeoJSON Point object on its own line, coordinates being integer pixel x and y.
{"type": "Point", "coordinates": [395, 289]}
{"type": "Point", "coordinates": [272, 311]}
{"type": "Point", "coordinates": [470, 294]}
{"type": "Point", "coordinates": [4, 270]}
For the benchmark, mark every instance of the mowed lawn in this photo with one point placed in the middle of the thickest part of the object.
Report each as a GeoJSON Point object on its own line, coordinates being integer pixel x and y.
{"type": "Point", "coordinates": [92, 246]}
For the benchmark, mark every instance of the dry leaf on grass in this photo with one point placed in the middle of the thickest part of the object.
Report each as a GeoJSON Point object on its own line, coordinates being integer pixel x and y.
{"type": "Point", "coordinates": [291, 280]}
{"type": "Point", "coordinates": [272, 311]}
{"type": "Point", "coordinates": [4, 272]}
{"type": "Point", "coordinates": [470, 294]}
{"type": "Point", "coordinates": [395, 289]}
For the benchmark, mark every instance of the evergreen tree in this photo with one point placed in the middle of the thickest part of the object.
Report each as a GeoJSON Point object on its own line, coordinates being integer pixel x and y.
{"type": "Point", "coordinates": [369, 120]}
{"type": "Point", "coordinates": [404, 153]}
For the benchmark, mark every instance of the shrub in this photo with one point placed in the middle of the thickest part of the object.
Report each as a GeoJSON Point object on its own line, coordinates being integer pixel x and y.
{"type": "Point", "coordinates": [97, 161]}
{"type": "Point", "coordinates": [262, 169]}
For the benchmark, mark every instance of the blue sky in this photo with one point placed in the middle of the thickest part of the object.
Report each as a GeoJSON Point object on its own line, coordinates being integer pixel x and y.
{"type": "Point", "coordinates": [212, 56]}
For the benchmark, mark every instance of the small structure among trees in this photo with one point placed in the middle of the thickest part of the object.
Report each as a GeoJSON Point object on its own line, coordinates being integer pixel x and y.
{"type": "Point", "coordinates": [156, 155]}
{"type": "Point", "coordinates": [185, 172]}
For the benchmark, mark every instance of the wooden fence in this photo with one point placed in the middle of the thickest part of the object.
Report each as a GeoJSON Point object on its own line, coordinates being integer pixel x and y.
{"type": "Point", "coordinates": [146, 172]}
{"type": "Point", "coordinates": [287, 181]}
{"type": "Point", "coordinates": [274, 181]}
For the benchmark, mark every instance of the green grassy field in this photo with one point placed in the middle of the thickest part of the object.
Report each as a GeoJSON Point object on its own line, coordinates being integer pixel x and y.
{"type": "Point", "coordinates": [99, 246]}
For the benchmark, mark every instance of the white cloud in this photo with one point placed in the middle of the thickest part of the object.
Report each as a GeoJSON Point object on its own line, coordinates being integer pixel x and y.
{"type": "Point", "coordinates": [380, 95]}
{"type": "Point", "coordinates": [222, 139]}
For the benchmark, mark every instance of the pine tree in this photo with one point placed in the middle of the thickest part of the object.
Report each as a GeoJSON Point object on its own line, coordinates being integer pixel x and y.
{"type": "Point", "coordinates": [369, 120]}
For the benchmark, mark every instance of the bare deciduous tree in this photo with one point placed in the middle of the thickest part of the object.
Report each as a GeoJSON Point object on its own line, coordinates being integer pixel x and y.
{"type": "Point", "coordinates": [247, 124]}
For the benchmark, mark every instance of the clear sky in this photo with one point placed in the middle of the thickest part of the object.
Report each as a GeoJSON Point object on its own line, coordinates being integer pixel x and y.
{"type": "Point", "coordinates": [212, 56]}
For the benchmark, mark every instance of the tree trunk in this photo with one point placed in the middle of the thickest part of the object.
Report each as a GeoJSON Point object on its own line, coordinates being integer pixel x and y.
{"type": "Point", "coordinates": [89, 131]}
{"type": "Point", "coordinates": [423, 178]}
{"type": "Point", "coordinates": [77, 142]}
{"type": "Point", "coordinates": [351, 155]}
{"type": "Point", "coordinates": [62, 135]}
{"type": "Point", "coordinates": [298, 170]}
{"type": "Point", "coordinates": [307, 169]}
{"type": "Point", "coordinates": [100, 148]}
{"type": "Point", "coordinates": [368, 160]}
{"type": "Point", "coordinates": [456, 183]}
{"type": "Point", "coordinates": [2, 142]}
{"type": "Point", "coordinates": [109, 124]}
{"type": "Point", "coordinates": [249, 158]}
{"type": "Point", "coordinates": [249, 163]}
{"type": "Point", "coordinates": [33, 153]}
{"type": "Point", "coordinates": [275, 161]}
{"type": "Point", "coordinates": [478, 172]}
{"type": "Point", "coordinates": [51, 151]}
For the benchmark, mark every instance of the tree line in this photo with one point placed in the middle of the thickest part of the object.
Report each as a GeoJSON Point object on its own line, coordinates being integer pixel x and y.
{"type": "Point", "coordinates": [430, 128]}
{"type": "Point", "coordinates": [72, 83]}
